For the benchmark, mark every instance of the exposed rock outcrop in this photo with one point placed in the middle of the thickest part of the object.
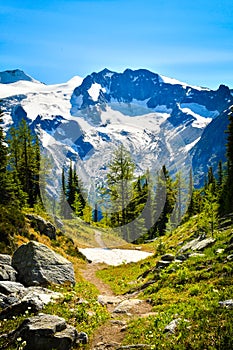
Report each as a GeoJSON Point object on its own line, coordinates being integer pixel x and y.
{"type": "Point", "coordinates": [197, 244]}
{"type": "Point", "coordinates": [44, 227]}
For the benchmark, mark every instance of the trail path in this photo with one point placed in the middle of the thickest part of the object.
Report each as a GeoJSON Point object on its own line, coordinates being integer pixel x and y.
{"type": "Point", "coordinates": [122, 308]}
{"type": "Point", "coordinates": [98, 239]}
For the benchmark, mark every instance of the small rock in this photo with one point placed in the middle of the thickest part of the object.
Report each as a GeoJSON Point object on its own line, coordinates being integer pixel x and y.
{"type": "Point", "coordinates": [9, 287]}
{"type": "Point", "coordinates": [193, 255]}
{"type": "Point", "coordinates": [219, 251]}
{"type": "Point", "coordinates": [106, 299]}
{"type": "Point", "coordinates": [5, 259]}
{"type": "Point", "coordinates": [83, 338]}
{"type": "Point", "coordinates": [126, 305]}
{"type": "Point", "coordinates": [197, 244]}
{"type": "Point", "coordinates": [230, 257]}
{"type": "Point", "coordinates": [172, 326]}
{"type": "Point", "coordinates": [7, 273]}
{"type": "Point", "coordinates": [227, 304]}
{"type": "Point", "coordinates": [168, 257]}
{"type": "Point", "coordinates": [182, 257]}
{"type": "Point", "coordinates": [162, 264]}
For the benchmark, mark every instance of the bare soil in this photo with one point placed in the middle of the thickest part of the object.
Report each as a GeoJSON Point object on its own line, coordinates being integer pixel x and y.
{"type": "Point", "coordinates": [111, 334]}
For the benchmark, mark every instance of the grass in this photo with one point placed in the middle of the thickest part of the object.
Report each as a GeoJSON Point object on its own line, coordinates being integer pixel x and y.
{"type": "Point", "coordinates": [78, 306]}
{"type": "Point", "coordinates": [190, 291]}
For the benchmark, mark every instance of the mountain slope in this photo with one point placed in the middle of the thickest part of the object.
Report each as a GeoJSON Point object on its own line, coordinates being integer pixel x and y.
{"type": "Point", "coordinates": [160, 120]}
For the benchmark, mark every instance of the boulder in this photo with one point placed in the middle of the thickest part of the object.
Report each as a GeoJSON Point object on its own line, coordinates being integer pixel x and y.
{"type": "Point", "coordinates": [43, 226]}
{"type": "Point", "coordinates": [36, 264]}
{"type": "Point", "coordinates": [46, 332]}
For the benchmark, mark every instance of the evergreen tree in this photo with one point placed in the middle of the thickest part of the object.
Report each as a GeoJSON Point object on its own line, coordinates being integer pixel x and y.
{"type": "Point", "coordinates": [227, 193]}
{"type": "Point", "coordinates": [25, 161]}
{"type": "Point", "coordinates": [63, 204]}
{"type": "Point", "coordinates": [119, 181]}
{"type": "Point", "coordinates": [165, 198]}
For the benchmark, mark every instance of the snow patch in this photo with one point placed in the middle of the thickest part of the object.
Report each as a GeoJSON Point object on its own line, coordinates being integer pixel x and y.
{"type": "Point", "coordinates": [172, 81]}
{"type": "Point", "coordinates": [94, 91]}
{"type": "Point", "coordinates": [200, 110]}
{"type": "Point", "coordinates": [188, 147]}
{"type": "Point", "coordinates": [113, 257]}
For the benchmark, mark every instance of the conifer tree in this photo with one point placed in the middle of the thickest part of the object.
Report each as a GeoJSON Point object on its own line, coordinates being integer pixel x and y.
{"type": "Point", "coordinates": [119, 180]}
{"type": "Point", "coordinates": [165, 198]}
{"type": "Point", "coordinates": [25, 161]}
{"type": "Point", "coordinates": [227, 193]}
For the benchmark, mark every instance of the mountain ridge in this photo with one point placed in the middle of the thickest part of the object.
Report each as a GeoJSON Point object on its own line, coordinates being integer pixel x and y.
{"type": "Point", "coordinates": [159, 119]}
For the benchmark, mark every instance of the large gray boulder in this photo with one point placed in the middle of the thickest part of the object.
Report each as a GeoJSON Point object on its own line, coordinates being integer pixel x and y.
{"type": "Point", "coordinates": [37, 264]}
{"type": "Point", "coordinates": [46, 332]}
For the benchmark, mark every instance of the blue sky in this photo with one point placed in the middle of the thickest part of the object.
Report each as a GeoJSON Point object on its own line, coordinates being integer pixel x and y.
{"type": "Point", "coordinates": [52, 41]}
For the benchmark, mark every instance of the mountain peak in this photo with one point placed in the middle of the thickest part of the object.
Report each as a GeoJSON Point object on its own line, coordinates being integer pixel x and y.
{"type": "Point", "coordinates": [13, 76]}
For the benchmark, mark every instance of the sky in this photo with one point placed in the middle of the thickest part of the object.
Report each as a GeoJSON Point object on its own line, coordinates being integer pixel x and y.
{"type": "Point", "coordinates": [52, 41]}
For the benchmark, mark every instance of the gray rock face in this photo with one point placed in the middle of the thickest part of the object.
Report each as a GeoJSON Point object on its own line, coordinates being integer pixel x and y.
{"type": "Point", "coordinates": [31, 298]}
{"type": "Point", "coordinates": [8, 287]}
{"type": "Point", "coordinates": [5, 259]}
{"type": "Point", "coordinates": [46, 332]}
{"type": "Point", "coordinates": [43, 226]}
{"type": "Point", "coordinates": [197, 244]}
{"type": "Point", "coordinates": [36, 264]}
{"type": "Point", "coordinates": [7, 273]}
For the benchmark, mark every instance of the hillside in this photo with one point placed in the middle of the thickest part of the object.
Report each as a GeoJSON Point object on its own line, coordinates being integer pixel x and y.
{"type": "Point", "coordinates": [190, 286]}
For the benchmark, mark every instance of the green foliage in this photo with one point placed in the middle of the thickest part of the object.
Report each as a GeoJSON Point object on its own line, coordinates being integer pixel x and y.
{"type": "Point", "coordinates": [190, 291]}
{"type": "Point", "coordinates": [25, 162]}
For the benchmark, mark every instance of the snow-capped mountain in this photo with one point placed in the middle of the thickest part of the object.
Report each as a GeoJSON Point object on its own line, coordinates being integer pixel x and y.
{"type": "Point", "coordinates": [159, 119]}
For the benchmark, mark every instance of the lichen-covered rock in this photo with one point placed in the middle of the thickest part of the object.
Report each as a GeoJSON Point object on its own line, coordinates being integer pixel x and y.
{"type": "Point", "coordinates": [36, 264]}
